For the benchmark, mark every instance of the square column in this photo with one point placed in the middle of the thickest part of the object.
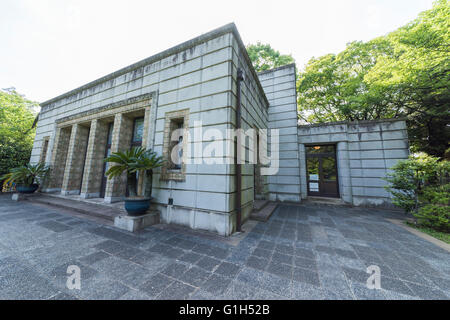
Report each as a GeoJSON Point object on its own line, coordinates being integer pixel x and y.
{"type": "Point", "coordinates": [73, 172]}
{"type": "Point", "coordinates": [121, 140]}
{"type": "Point", "coordinates": [141, 178]}
{"type": "Point", "coordinates": [93, 168]}
{"type": "Point", "coordinates": [58, 159]}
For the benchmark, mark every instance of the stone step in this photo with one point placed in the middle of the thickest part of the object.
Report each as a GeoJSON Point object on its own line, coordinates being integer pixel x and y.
{"type": "Point", "coordinates": [264, 213]}
{"type": "Point", "coordinates": [90, 209]}
{"type": "Point", "coordinates": [325, 201]}
{"type": "Point", "coordinates": [259, 204]}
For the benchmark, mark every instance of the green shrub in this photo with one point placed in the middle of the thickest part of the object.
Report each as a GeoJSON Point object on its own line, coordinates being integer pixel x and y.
{"type": "Point", "coordinates": [435, 209]}
{"type": "Point", "coordinates": [408, 178]}
{"type": "Point", "coordinates": [420, 185]}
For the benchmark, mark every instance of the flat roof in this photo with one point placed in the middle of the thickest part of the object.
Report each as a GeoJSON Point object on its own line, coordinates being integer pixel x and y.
{"type": "Point", "coordinates": [228, 28]}
{"type": "Point", "coordinates": [356, 122]}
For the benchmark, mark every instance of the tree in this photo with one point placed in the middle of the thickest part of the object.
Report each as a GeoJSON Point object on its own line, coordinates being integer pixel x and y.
{"type": "Point", "coordinates": [332, 87]}
{"type": "Point", "coordinates": [264, 57]}
{"type": "Point", "coordinates": [417, 75]}
{"type": "Point", "coordinates": [17, 115]}
{"type": "Point", "coordinates": [403, 74]}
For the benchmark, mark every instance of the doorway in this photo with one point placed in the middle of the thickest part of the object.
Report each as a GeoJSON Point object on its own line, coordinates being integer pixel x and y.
{"type": "Point", "coordinates": [321, 171]}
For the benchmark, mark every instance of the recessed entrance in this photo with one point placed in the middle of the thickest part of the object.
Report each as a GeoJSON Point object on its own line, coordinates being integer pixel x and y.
{"type": "Point", "coordinates": [322, 171]}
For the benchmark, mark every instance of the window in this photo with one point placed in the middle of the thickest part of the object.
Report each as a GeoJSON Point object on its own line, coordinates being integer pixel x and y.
{"type": "Point", "coordinates": [44, 149]}
{"type": "Point", "coordinates": [175, 145]}
{"type": "Point", "coordinates": [138, 130]}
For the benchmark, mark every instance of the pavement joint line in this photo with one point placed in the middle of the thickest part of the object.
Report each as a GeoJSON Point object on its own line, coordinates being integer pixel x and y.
{"type": "Point", "coordinates": [421, 234]}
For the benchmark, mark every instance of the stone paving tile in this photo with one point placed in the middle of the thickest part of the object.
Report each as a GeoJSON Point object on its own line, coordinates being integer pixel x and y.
{"type": "Point", "coordinates": [156, 284]}
{"type": "Point", "coordinates": [216, 284]}
{"type": "Point", "coordinates": [280, 269]}
{"type": "Point", "coordinates": [241, 291]}
{"type": "Point", "coordinates": [135, 295]}
{"type": "Point", "coordinates": [305, 263]}
{"type": "Point", "coordinates": [111, 246]}
{"type": "Point", "coordinates": [427, 293]}
{"type": "Point", "coordinates": [306, 276]}
{"type": "Point", "coordinates": [361, 292]}
{"type": "Point", "coordinates": [208, 263]}
{"type": "Point", "coordinates": [94, 257]}
{"type": "Point", "coordinates": [195, 276]}
{"type": "Point", "coordinates": [302, 252]}
{"type": "Point", "coordinates": [176, 291]}
{"type": "Point", "coordinates": [228, 269]}
{"type": "Point", "coordinates": [63, 296]}
{"type": "Point", "coordinates": [102, 289]}
{"type": "Point", "coordinates": [54, 226]}
{"type": "Point", "coordinates": [174, 270]}
{"type": "Point", "coordinates": [190, 257]}
{"type": "Point", "coordinates": [275, 284]}
{"type": "Point", "coordinates": [257, 263]}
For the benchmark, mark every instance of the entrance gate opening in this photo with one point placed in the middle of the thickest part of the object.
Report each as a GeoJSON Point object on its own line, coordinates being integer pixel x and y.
{"type": "Point", "coordinates": [321, 169]}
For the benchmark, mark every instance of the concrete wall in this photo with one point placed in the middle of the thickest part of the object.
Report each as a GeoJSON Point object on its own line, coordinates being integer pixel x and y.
{"type": "Point", "coordinates": [279, 86]}
{"type": "Point", "coordinates": [366, 150]}
{"type": "Point", "coordinates": [254, 115]}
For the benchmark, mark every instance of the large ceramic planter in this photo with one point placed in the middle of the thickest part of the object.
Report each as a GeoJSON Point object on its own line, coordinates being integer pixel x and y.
{"type": "Point", "coordinates": [27, 189]}
{"type": "Point", "coordinates": [137, 206]}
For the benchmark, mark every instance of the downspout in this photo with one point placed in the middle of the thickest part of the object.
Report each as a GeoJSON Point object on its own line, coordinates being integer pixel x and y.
{"type": "Point", "coordinates": [238, 203]}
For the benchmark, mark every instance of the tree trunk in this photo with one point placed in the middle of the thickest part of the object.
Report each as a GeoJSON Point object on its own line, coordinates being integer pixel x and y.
{"type": "Point", "coordinates": [131, 182]}
{"type": "Point", "coordinates": [148, 183]}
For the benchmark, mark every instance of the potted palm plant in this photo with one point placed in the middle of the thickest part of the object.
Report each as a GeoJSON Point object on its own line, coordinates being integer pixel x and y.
{"type": "Point", "coordinates": [27, 178]}
{"type": "Point", "coordinates": [133, 161]}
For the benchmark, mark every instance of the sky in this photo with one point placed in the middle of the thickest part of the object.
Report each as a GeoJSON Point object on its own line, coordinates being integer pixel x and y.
{"type": "Point", "coordinates": [48, 47]}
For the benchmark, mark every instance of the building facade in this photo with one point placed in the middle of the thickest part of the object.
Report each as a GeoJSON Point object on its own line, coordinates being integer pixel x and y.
{"type": "Point", "coordinates": [194, 97]}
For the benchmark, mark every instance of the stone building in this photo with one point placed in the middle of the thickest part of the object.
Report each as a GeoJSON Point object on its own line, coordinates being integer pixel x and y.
{"type": "Point", "coordinates": [193, 96]}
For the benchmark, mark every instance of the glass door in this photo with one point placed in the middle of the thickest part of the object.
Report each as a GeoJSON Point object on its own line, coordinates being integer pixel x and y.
{"type": "Point", "coordinates": [322, 171]}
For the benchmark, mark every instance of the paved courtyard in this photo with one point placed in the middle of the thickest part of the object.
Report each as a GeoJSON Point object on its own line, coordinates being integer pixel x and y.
{"type": "Point", "coordinates": [302, 252]}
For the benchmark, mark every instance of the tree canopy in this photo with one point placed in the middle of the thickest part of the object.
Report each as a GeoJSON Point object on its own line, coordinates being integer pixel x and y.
{"type": "Point", "coordinates": [264, 57]}
{"type": "Point", "coordinates": [17, 115]}
{"type": "Point", "coordinates": [403, 74]}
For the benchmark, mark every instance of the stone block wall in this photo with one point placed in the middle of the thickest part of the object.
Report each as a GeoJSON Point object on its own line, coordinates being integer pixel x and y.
{"type": "Point", "coordinates": [121, 138]}
{"type": "Point", "coordinates": [366, 151]}
{"type": "Point", "coordinates": [58, 158]}
{"type": "Point", "coordinates": [280, 89]}
{"type": "Point", "coordinates": [93, 169]}
{"type": "Point", "coordinates": [76, 152]}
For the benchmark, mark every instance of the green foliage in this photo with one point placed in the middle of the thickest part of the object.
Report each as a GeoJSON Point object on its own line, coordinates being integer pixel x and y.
{"type": "Point", "coordinates": [419, 185]}
{"type": "Point", "coordinates": [17, 115]}
{"type": "Point", "coordinates": [132, 161]}
{"type": "Point", "coordinates": [264, 57]}
{"type": "Point", "coordinates": [403, 74]}
{"type": "Point", "coordinates": [407, 179]}
{"type": "Point", "coordinates": [332, 87]}
{"type": "Point", "coordinates": [26, 175]}
{"type": "Point", "coordinates": [435, 212]}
